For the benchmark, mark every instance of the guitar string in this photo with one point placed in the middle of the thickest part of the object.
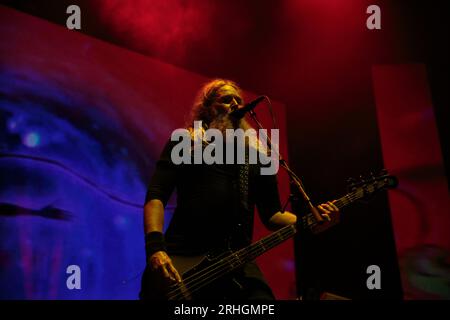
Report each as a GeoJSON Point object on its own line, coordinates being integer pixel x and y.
{"type": "Point", "coordinates": [218, 268]}
{"type": "Point", "coordinates": [212, 277]}
{"type": "Point", "coordinates": [192, 286]}
{"type": "Point", "coordinates": [201, 278]}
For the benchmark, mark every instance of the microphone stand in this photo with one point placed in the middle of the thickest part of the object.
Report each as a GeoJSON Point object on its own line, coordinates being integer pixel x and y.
{"type": "Point", "coordinates": [294, 179]}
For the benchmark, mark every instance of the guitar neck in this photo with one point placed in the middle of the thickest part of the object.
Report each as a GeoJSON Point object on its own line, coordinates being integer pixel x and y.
{"type": "Point", "coordinates": [352, 197]}
{"type": "Point", "coordinates": [247, 254]}
{"type": "Point", "coordinates": [256, 249]}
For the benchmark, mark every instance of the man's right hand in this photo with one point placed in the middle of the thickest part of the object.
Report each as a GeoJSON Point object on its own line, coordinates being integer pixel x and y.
{"type": "Point", "coordinates": [161, 263]}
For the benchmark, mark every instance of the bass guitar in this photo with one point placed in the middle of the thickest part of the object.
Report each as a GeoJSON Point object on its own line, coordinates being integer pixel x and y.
{"type": "Point", "coordinates": [200, 271]}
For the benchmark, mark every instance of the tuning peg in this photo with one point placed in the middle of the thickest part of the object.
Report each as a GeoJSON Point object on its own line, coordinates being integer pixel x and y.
{"type": "Point", "coordinates": [362, 180]}
{"type": "Point", "coordinates": [383, 172]}
{"type": "Point", "coordinates": [351, 183]}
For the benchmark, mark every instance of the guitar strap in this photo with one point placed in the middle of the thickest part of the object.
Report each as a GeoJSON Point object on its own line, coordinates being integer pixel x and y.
{"type": "Point", "coordinates": [243, 183]}
{"type": "Point", "coordinates": [245, 213]}
{"type": "Point", "coordinates": [240, 235]}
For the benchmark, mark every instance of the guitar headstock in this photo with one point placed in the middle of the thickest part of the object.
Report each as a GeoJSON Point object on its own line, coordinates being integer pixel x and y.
{"type": "Point", "coordinates": [358, 189]}
{"type": "Point", "coordinates": [372, 183]}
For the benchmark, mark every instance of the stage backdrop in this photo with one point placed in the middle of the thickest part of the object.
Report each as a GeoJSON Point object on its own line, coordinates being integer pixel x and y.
{"type": "Point", "coordinates": [420, 205]}
{"type": "Point", "coordinates": [82, 123]}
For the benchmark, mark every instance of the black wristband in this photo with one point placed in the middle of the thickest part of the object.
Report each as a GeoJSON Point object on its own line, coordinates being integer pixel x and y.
{"type": "Point", "coordinates": [154, 241]}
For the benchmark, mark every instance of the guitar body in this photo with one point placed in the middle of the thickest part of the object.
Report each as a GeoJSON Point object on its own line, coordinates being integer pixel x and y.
{"type": "Point", "coordinates": [190, 268]}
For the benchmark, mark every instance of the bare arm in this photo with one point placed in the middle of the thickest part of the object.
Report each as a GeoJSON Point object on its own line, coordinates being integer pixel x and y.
{"type": "Point", "coordinates": [280, 219]}
{"type": "Point", "coordinates": [328, 210]}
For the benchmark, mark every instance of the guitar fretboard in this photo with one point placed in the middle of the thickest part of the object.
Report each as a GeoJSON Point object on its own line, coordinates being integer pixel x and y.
{"type": "Point", "coordinates": [256, 249]}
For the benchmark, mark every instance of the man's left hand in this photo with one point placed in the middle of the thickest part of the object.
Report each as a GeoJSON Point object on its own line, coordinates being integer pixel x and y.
{"type": "Point", "coordinates": [330, 214]}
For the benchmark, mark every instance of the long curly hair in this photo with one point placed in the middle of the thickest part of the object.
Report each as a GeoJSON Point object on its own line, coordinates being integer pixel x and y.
{"type": "Point", "coordinates": [203, 107]}
{"type": "Point", "coordinates": [203, 110]}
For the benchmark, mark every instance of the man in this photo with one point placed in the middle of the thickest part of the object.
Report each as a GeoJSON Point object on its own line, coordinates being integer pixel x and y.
{"type": "Point", "coordinates": [215, 204]}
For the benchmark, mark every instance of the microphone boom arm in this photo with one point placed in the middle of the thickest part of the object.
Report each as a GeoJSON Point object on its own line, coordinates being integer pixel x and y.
{"type": "Point", "coordinates": [295, 180]}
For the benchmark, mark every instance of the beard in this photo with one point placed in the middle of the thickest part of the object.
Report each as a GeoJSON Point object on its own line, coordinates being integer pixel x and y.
{"type": "Point", "coordinates": [219, 118]}
{"type": "Point", "coordinates": [223, 121]}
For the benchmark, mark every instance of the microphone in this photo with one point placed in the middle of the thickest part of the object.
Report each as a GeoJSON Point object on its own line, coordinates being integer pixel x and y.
{"type": "Point", "coordinates": [239, 113]}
